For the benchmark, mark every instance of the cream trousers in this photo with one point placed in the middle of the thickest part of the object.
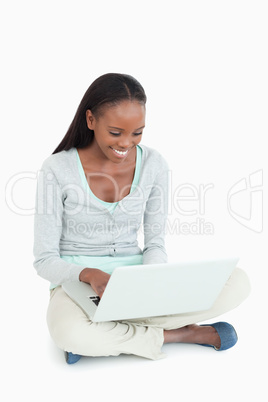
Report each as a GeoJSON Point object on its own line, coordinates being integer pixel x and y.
{"type": "Point", "coordinates": [72, 331]}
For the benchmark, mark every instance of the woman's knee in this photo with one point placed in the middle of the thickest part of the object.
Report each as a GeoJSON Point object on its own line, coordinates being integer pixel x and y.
{"type": "Point", "coordinates": [241, 281]}
{"type": "Point", "coordinates": [81, 336]}
{"type": "Point", "coordinates": [68, 335]}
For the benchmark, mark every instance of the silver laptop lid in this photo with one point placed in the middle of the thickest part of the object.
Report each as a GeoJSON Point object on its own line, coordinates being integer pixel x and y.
{"type": "Point", "coordinates": [162, 289]}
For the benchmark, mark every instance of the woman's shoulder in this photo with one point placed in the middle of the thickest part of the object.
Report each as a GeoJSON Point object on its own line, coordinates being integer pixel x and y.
{"type": "Point", "coordinates": [62, 166]}
{"type": "Point", "coordinates": [153, 157]}
{"type": "Point", "coordinates": [59, 160]}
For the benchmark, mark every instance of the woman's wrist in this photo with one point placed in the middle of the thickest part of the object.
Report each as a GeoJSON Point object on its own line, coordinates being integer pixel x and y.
{"type": "Point", "coordinates": [85, 275]}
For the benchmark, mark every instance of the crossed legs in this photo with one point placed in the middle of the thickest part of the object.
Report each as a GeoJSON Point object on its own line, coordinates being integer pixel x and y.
{"type": "Point", "coordinates": [72, 331]}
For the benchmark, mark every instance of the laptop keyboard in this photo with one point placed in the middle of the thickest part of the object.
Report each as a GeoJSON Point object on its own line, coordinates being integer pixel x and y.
{"type": "Point", "coordinates": [95, 299]}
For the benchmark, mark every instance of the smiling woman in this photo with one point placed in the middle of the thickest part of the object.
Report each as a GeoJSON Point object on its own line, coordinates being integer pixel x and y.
{"type": "Point", "coordinates": [95, 191]}
{"type": "Point", "coordinates": [108, 148]}
{"type": "Point", "coordinates": [130, 116]}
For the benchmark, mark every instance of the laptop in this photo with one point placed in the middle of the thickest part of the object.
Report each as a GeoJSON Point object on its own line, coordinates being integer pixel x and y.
{"type": "Point", "coordinates": [140, 291]}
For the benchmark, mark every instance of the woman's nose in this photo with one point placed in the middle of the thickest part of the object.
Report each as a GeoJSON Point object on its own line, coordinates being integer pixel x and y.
{"type": "Point", "coordinates": [124, 141]}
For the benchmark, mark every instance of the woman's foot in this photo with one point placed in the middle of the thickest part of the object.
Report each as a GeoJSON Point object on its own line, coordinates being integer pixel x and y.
{"type": "Point", "coordinates": [71, 358]}
{"type": "Point", "coordinates": [220, 336]}
{"type": "Point", "coordinates": [227, 334]}
{"type": "Point", "coordinates": [206, 335]}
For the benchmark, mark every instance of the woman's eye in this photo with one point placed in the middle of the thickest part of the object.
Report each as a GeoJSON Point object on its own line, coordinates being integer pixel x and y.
{"type": "Point", "coordinates": [117, 133]}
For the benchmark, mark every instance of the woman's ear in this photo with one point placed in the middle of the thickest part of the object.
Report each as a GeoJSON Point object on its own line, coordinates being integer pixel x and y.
{"type": "Point", "coordinates": [90, 120]}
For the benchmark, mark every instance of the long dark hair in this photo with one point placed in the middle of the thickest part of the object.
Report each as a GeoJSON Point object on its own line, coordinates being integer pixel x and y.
{"type": "Point", "coordinates": [107, 90]}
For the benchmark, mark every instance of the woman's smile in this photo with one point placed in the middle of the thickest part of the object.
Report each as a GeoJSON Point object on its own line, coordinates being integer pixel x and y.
{"type": "Point", "coordinates": [120, 153]}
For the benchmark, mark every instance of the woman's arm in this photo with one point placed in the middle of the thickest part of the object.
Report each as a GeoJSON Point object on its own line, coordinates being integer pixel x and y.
{"type": "Point", "coordinates": [47, 230]}
{"type": "Point", "coordinates": [155, 217]}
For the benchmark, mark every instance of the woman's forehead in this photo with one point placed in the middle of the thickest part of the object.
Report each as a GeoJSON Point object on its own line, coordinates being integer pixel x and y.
{"type": "Point", "coordinates": [125, 112]}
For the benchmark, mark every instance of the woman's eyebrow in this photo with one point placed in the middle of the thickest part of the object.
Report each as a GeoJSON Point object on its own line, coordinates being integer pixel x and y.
{"type": "Point", "coordinates": [121, 129]}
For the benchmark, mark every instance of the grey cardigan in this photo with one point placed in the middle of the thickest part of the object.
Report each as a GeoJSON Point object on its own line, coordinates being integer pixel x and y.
{"type": "Point", "coordinates": [69, 221]}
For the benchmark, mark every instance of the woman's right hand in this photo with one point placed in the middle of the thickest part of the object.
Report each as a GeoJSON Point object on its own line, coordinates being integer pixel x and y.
{"type": "Point", "coordinates": [96, 278]}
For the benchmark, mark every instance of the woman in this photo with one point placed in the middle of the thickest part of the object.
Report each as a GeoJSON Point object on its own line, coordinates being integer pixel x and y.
{"type": "Point", "coordinates": [93, 194]}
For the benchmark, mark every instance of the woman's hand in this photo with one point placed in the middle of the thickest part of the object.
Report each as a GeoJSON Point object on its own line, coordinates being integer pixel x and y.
{"type": "Point", "coordinates": [96, 278]}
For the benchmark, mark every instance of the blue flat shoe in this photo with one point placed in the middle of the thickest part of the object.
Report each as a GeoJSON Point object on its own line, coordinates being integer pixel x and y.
{"type": "Point", "coordinates": [71, 358]}
{"type": "Point", "coordinates": [226, 333]}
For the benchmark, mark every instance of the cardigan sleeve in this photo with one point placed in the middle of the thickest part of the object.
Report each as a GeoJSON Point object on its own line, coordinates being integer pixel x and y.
{"type": "Point", "coordinates": [155, 217]}
{"type": "Point", "coordinates": [48, 228]}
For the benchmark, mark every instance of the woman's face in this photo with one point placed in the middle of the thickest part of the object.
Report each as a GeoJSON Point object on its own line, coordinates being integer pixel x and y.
{"type": "Point", "coordinates": [117, 131]}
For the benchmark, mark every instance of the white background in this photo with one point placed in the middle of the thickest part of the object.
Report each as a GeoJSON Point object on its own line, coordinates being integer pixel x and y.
{"type": "Point", "coordinates": [204, 67]}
